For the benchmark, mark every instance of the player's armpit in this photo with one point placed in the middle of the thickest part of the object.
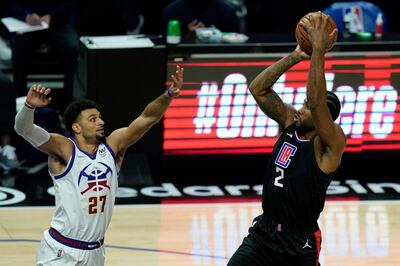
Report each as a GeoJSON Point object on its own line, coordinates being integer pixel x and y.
{"type": "Point", "coordinates": [57, 145]}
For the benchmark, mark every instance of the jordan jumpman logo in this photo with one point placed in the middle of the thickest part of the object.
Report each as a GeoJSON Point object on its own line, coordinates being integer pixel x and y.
{"type": "Point", "coordinates": [306, 245]}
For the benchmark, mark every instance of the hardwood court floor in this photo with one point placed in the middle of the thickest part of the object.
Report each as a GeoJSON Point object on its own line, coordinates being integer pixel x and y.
{"type": "Point", "coordinates": [354, 233]}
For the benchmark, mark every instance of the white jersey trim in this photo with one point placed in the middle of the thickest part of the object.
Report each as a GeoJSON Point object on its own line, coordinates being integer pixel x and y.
{"type": "Point", "coordinates": [69, 164]}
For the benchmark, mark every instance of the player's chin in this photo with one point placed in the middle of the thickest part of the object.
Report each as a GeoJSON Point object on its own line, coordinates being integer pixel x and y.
{"type": "Point", "coordinates": [100, 134]}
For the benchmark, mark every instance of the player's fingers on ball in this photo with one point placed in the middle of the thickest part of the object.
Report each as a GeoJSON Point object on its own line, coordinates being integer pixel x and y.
{"type": "Point", "coordinates": [310, 18]}
{"type": "Point", "coordinates": [326, 20]}
{"type": "Point", "coordinates": [319, 19]}
{"type": "Point", "coordinates": [304, 27]}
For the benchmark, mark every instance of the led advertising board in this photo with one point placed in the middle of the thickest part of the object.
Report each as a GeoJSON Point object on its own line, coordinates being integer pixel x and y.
{"type": "Point", "coordinates": [216, 113]}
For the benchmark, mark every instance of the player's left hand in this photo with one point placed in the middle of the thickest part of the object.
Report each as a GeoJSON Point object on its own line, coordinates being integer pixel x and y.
{"type": "Point", "coordinates": [177, 81]}
{"type": "Point", "coordinates": [301, 53]}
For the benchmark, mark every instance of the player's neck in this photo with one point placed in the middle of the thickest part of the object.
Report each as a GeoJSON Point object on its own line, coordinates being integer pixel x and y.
{"type": "Point", "coordinates": [90, 147]}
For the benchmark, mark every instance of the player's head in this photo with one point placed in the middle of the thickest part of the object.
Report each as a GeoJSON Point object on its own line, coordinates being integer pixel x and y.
{"type": "Point", "coordinates": [82, 118]}
{"type": "Point", "coordinates": [304, 118]}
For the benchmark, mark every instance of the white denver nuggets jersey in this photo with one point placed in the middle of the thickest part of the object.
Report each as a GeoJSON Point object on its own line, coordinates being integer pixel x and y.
{"type": "Point", "coordinates": [85, 194]}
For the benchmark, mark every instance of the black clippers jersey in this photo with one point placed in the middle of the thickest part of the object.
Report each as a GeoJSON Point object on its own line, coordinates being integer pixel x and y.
{"type": "Point", "coordinates": [294, 186]}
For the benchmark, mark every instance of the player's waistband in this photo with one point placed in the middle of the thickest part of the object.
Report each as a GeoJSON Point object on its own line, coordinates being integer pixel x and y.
{"type": "Point", "coordinates": [271, 225]}
{"type": "Point", "coordinates": [74, 243]}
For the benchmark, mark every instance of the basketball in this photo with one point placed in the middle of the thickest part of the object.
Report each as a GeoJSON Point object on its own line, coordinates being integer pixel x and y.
{"type": "Point", "coordinates": [302, 34]}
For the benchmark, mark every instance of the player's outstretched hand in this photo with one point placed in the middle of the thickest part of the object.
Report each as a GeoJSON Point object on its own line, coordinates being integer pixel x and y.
{"type": "Point", "coordinates": [38, 96]}
{"type": "Point", "coordinates": [177, 81]}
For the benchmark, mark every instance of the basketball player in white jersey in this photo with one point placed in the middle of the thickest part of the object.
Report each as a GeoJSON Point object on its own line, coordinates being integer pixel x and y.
{"type": "Point", "coordinates": [84, 169]}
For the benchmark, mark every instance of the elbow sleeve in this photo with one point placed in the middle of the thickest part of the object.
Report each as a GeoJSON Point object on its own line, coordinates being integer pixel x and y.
{"type": "Point", "coordinates": [24, 127]}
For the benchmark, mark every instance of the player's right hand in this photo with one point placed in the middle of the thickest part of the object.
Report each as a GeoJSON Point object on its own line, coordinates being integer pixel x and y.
{"type": "Point", "coordinates": [319, 37]}
{"type": "Point", "coordinates": [38, 96]}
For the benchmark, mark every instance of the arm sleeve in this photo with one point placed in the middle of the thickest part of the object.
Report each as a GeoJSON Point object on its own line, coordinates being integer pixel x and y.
{"type": "Point", "coordinates": [25, 127]}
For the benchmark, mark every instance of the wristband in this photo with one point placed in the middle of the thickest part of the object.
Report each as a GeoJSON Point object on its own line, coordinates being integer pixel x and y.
{"type": "Point", "coordinates": [29, 106]}
{"type": "Point", "coordinates": [169, 93]}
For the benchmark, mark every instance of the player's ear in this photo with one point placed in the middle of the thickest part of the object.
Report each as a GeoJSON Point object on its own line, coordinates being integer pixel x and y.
{"type": "Point", "coordinates": [76, 128]}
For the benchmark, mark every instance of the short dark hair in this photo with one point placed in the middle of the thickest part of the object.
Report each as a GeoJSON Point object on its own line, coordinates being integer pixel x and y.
{"type": "Point", "coordinates": [334, 104]}
{"type": "Point", "coordinates": [73, 110]}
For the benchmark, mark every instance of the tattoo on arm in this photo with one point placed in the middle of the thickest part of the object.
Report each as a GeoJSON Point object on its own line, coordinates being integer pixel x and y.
{"type": "Point", "coordinates": [274, 107]}
{"type": "Point", "coordinates": [266, 79]}
{"type": "Point", "coordinates": [268, 100]}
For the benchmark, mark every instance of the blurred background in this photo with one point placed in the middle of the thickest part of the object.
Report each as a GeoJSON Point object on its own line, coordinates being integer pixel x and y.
{"type": "Point", "coordinates": [121, 55]}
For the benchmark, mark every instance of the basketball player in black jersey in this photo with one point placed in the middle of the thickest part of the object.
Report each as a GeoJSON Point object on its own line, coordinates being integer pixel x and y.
{"type": "Point", "coordinates": [301, 166]}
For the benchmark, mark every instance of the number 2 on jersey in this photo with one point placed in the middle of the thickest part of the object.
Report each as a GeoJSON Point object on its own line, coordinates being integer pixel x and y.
{"type": "Point", "coordinates": [93, 208]}
{"type": "Point", "coordinates": [281, 175]}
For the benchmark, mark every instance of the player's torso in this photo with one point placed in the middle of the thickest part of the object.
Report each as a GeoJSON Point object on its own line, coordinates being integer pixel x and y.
{"type": "Point", "coordinates": [85, 194]}
{"type": "Point", "coordinates": [294, 186]}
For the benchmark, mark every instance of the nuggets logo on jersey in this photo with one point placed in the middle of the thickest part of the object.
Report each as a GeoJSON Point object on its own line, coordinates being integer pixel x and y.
{"type": "Point", "coordinates": [94, 177]}
{"type": "Point", "coordinates": [285, 154]}
{"type": "Point", "coordinates": [102, 151]}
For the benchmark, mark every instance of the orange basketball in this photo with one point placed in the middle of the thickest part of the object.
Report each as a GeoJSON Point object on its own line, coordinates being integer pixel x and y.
{"type": "Point", "coordinates": [302, 34]}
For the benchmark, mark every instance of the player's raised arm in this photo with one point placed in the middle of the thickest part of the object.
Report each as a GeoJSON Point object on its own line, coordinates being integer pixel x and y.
{"type": "Point", "coordinates": [330, 133]}
{"type": "Point", "coordinates": [51, 144]}
{"type": "Point", "coordinates": [122, 138]}
{"type": "Point", "coordinates": [267, 99]}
